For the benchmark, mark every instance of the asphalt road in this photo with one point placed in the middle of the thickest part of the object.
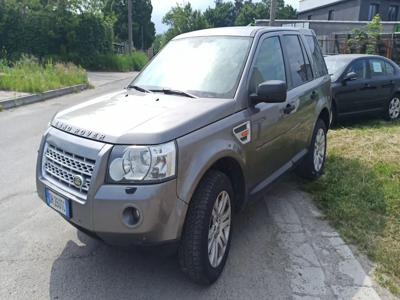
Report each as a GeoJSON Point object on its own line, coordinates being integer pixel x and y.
{"type": "Point", "coordinates": [282, 248]}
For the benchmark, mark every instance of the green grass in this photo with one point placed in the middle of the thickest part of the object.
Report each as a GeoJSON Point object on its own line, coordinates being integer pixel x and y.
{"type": "Point", "coordinates": [360, 193]}
{"type": "Point", "coordinates": [27, 75]}
{"type": "Point", "coordinates": [117, 62]}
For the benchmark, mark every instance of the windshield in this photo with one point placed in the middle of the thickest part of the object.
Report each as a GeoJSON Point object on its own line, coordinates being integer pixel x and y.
{"type": "Point", "coordinates": [336, 64]}
{"type": "Point", "coordinates": [202, 66]}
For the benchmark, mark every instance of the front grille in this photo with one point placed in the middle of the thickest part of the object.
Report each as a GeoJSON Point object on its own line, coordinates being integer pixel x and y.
{"type": "Point", "coordinates": [63, 166]}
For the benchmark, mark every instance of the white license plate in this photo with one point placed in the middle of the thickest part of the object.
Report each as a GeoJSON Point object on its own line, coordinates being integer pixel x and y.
{"type": "Point", "coordinates": [59, 203]}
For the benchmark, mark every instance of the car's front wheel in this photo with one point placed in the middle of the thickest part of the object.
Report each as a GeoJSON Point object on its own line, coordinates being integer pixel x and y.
{"type": "Point", "coordinates": [393, 108]}
{"type": "Point", "coordinates": [313, 163]}
{"type": "Point", "coordinates": [207, 233]}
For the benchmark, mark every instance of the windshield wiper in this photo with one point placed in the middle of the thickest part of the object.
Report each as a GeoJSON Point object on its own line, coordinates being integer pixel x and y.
{"type": "Point", "coordinates": [139, 88]}
{"type": "Point", "coordinates": [174, 92]}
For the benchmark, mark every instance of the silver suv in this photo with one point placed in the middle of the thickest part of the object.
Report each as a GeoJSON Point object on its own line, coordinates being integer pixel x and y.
{"type": "Point", "coordinates": [213, 119]}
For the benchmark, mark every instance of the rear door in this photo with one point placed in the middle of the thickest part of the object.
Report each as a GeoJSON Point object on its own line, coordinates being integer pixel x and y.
{"type": "Point", "coordinates": [382, 76]}
{"type": "Point", "coordinates": [303, 93]}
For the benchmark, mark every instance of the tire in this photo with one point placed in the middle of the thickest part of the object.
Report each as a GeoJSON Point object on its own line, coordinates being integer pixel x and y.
{"type": "Point", "coordinates": [312, 167]}
{"type": "Point", "coordinates": [194, 257]}
{"type": "Point", "coordinates": [392, 111]}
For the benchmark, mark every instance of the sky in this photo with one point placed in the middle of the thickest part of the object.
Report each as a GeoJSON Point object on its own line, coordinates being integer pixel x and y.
{"type": "Point", "coordinates": [161, 7]}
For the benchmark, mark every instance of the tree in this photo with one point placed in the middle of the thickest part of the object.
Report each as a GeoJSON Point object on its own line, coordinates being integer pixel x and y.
{"type": "Point", "coordinates": [366, 39]}
{"type": "Point", "coordinates": [249, 11]}
{"type": "Point", "coordinates": [181, 19]}
{"type": "Point", "coordinates": [143, 28]}
{"type": "Point", "coordinates": [222, 15]}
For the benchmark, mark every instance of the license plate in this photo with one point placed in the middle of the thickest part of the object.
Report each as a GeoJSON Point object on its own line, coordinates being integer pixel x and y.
{"type": "Point", "coordinates": [58, 203]}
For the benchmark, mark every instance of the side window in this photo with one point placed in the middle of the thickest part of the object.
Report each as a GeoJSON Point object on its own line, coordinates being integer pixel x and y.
{"type": "Point", "coordinates": [269, 64]}
{"type": "Point", "coordinates": [389, 69]}
{"type": "Point", "coordinates": [308, 64]}
{"type": "Point", "coordinates": [377, 67]}
{"type": "Point", "coordinates": [318, 61]}
{"type": "Point", "coordinates": [295, 59]}
{"type": "Point", "coordinates": [360, 68]}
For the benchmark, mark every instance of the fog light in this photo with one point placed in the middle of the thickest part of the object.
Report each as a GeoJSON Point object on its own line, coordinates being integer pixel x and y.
{"type": "Point", "coordinates": [131, 216]}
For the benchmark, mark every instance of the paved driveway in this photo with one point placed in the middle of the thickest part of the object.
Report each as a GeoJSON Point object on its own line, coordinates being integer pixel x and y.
{"type": "Point", "coordinates": [281, 249]}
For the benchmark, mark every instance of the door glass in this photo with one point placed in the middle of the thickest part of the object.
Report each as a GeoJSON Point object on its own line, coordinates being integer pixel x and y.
{"type": "Point", "coordinates": [389, 69]}
{"type": "Point", "coordinates": [269, 63]}
{"type": "Point", "coordinates": [377, 67]}
{"type": "Point", "coordinates": [317, 57]}
{"type": "Point", "coordinates": [295, 59]}
{"type": "Point", "coordinates": [359, 67]}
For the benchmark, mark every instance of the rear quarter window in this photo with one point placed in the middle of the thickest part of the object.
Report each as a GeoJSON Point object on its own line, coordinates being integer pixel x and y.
{"type": "Point", "coordinates": [318, 62]}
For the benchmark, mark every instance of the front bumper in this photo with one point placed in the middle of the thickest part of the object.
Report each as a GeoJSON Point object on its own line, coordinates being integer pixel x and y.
{"type": "Point", "coordinates": [162, 213]}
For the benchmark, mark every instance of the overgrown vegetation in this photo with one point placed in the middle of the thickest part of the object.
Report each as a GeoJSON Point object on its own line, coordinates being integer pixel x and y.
{"type": "Point", "coordinates": [28, 75]}
{"type": "Point", "coordinates": [117, 62]}
{"type": "Point", "coordinates": [360, 193]}
{"type": "Point", "coordinates": [367, 39]}
{"type": "Point", "coordinates": [71, 30]}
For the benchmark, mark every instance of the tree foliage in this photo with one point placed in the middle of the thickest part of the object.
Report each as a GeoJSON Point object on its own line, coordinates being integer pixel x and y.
{"type": "Point", "coordinates": [182, 18]}
{"type": "Point", "coordinates": [143, 28]}
{"type": "Point", "coordinates": [76, 30]}
{"type": "Point", "coordinates": [366, 39]}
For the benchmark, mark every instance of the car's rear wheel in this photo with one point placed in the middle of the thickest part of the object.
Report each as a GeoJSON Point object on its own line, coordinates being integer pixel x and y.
{"type": "Point", "coordinates": [312, 165]}
{"type": "Point", "coordinates": [207, 233]}
{"type": "Point", "coordinates": [393, 108]}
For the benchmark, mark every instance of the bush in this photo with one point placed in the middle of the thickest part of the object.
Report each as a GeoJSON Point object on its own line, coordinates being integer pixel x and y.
{"type": "Point", "coordinates": [50, 32]}
{"type": "Point", "coordinates": [28, 75]}
{"type": "Point", "coordinates": [116, 62]}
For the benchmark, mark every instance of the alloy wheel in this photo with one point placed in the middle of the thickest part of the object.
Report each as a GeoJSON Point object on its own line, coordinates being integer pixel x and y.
{"type": "Point", "coordinates": [219, 229]}
{"type": "Point", "coordinates": [394, 108]}
{"type": "Point", "coordinates": [319, 150]}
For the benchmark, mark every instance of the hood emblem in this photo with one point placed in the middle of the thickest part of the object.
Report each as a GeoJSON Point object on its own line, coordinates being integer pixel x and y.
{"type": "Point", "coordinates": [78, 131]}
{"type": "Point", "coordinates": [78, 181]}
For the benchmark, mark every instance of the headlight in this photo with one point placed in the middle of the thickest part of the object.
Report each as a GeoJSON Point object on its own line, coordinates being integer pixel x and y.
{"type": "Point", "coordinates": [142, 163]}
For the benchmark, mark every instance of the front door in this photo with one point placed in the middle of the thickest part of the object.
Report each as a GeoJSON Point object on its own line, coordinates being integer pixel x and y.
{"type": "Point", "coordinates": [273, 124]}
{"type": "Point", "coordinates": [356, 95]}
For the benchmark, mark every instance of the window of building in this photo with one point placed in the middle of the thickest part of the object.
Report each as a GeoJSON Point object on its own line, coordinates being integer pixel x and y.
{"type": "Point", "coordinates": [331, 15]}
{"type": "Point", "coordinates": [373, 11]}
{"type": "Point", "coordinates": [298, 68]}
{"type": "Point", "coordinates": [393, 12]}
{"type": "Point", "coordinates": [309, 17]}
{"type": "Point", "coordinates": [269, 64]}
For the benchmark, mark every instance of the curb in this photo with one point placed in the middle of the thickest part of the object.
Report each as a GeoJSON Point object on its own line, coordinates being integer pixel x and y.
{"type": "Point", "coordinates": [12, 103]}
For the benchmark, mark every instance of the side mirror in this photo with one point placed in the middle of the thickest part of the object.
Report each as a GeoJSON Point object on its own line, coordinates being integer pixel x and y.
{"type": "Point", "coordinates": [271, 91]}
{"type": "Point", "coordinates": [350, 77]}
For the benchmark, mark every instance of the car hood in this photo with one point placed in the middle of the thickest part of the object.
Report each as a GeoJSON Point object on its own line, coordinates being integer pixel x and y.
{"type": "Point", "coordinates": [133, 118]}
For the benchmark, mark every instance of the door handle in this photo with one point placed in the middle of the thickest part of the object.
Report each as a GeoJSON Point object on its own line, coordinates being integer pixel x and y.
{"type": "Point", "coordinates": [367, 86]}
{"type": "Point", "coordinates": [388, 84]}
{"type": "Point", "coordinates": [289, 108]}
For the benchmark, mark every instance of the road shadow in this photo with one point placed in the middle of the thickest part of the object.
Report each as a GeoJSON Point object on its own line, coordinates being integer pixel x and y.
{"type": "Point", "coordinates": [260, 264]}
{"type": "Point", "coordinates": [89, 269]}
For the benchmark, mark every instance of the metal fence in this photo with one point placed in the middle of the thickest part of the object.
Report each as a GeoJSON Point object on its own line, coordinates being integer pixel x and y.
{"type": "Point", "coordinates": [389, 45]}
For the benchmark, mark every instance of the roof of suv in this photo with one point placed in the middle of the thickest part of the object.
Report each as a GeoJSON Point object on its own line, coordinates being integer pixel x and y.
{"type": "Point", "coordinates": [249, 31]}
